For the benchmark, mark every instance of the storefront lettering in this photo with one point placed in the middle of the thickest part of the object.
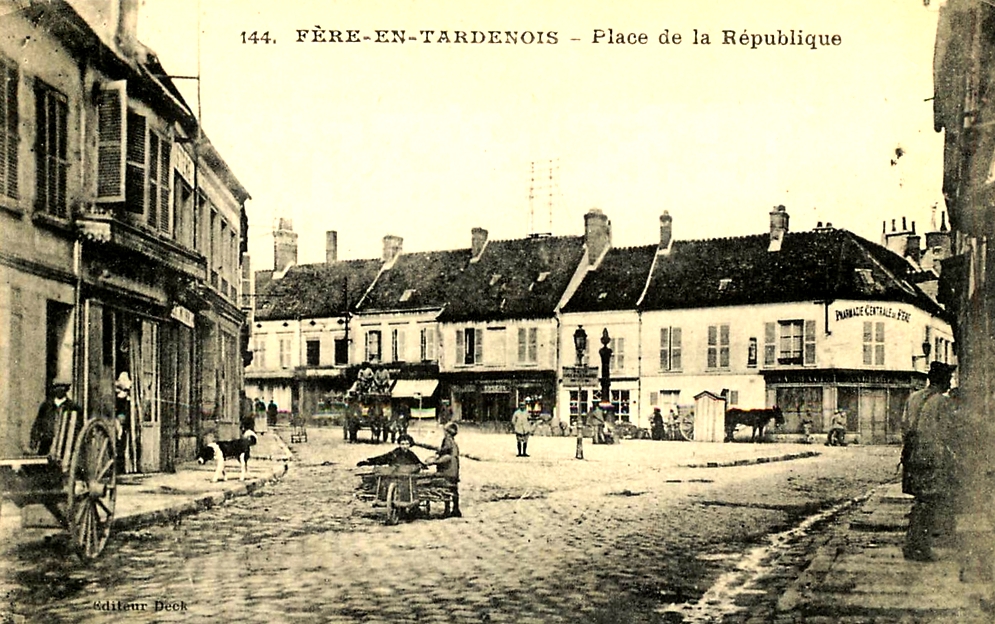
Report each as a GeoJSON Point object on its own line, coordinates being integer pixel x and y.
{"type": "Point", "coordinates": [873, 310]}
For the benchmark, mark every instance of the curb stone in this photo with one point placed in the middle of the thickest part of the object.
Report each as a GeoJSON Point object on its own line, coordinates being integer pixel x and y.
{"type": "Point", "coordinates": [757, 460]}
{"type": "Point", "coordinates": [172, 512]}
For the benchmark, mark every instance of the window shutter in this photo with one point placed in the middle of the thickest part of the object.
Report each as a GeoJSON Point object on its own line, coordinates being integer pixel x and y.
{"type": "Point", "coordinates": [770, 343]}
{"type": "Point", "coordinates": [533, 354]}
{"type": "Point", "coordinates": [423, 345]}
{"type": "Point", "coordinates": [112, 107]}
{"type": "Point", "coordinates": [134, 185]}
{"type": "Point", "coordinates": [478, 346]}
{"type": "Point", "coordinates": [460, 347]}
{"type": "Point", "coordinates": [810, 342]}
{"type": "Point", "coordinates": [620, 353]}
{"type": "Point", "coordinates": [9, 135]}
{"type": "Point", "coordinates": [165, 168]}
{"type": "Point", "coordinates": [401, 347]}
{"type": "Point", "coordinates": [675, 348]}
{"type": "Point", "coordinates": [664, 349]}
{"type": "Point", "coordinates": [154, 143]}
{"type": "Point", "coordinates": [522, 344]}
{"type": "Point", "coordinates": [868, 346]}
{"type": "Point", "coordinates": [654, 398]}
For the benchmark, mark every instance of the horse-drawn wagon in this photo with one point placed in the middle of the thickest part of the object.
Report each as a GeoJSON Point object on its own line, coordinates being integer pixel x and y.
{"type": "Point", "coordinates": [76, 481]}
{"type": "Point", "coordinates": [403, 492]}
{"type": "Point", "coordinates": [367, 410]}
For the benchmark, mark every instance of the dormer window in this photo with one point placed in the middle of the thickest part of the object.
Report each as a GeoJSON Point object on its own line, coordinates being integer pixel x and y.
{"type": "Point", "coordinates": [866, 278]}
{"type": "Point", "coordinates": [542, 276]}
{"type": "Point", "coordinates": [724, 284]}
{"type": "Point", "coordinates": [602, 296]}
{"type": "Point", "coordinates": [495, 278]}
{"type": "Point", "coordinates": [407, 295]}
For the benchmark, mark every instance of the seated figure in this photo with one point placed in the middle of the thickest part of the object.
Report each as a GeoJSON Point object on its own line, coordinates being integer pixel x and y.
{"type": "Point", "coordinates": [401, 458]}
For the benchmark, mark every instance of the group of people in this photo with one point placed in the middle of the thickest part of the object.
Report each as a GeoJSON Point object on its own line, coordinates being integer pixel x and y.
{"type": "Point", "coordinates": [446, 461]}
{"type": "Point", "coordinates": [665, 428]}
{"type": "Point", "coordinates": [371, 380]}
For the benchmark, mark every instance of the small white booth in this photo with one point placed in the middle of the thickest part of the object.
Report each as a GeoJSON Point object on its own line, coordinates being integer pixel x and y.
{"type": "Point", "coordinates": [709, 417]}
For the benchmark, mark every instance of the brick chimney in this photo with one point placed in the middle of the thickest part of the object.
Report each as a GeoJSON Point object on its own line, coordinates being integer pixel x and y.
{"type": "Point", "coordinates": [331, 246]}
{"type": "Point", "coordinates": [478, 240]}
{"type": "Point", "coordinates": [284, 245]}
{"type": "Point", "coordinates": [391, 247]}
{"type": "Point", "coordinates": [778, 227]}
{"type": "Point", "coordinates": [897, 239]}
{"type": "Point", "coordinates": [127, 31]}
{"type": "Point", "coordinates": [666, 230]}
{"type": "Point", "coordinates": [597, 234]}
{"type": "Point", "coordinates": [913, 242]}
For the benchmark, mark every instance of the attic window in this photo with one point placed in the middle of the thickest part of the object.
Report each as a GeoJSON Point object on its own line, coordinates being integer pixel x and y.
{"type": "Point", "coordinates": [865, 277]}
{"type": "Point", "coordinates": [495, 278]}
{"type": "Point", "coordinates": [724, 284]}
{"type": "Point", "coordinates": [408, 294]}
{"type": "Point", "coordinates": [602, 296]}
{"type": "Point", "coordinates": [542, 276]}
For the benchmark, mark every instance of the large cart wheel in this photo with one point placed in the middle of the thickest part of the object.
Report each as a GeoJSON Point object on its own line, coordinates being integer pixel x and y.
{"type": "Point", "coordinates": [392, 512]}
{"type": "Point", "coordinates": [686, 427]}
{"type": "Point", "coordinates": [92, 488]}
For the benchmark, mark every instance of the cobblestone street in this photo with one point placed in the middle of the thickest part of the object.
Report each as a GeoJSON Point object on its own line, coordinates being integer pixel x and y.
{"type": "Point", "coordinates": [628, 535]}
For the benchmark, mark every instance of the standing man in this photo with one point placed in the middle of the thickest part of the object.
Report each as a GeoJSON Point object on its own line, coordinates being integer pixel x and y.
{"type": "Point", "coordinates": [927, 462]}
{"type": "Point", "coordinates": [51, 416]}
{"type": "Point", "coordinates": [271, 412]}
{"type": "Point", "coordinates": [522, 427]}
{"type": "Point", "coordinates": [446, 461]}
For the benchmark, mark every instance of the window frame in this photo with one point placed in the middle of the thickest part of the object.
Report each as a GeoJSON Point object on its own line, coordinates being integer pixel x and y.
{"type": "Point", "coordinates": [717, 354]}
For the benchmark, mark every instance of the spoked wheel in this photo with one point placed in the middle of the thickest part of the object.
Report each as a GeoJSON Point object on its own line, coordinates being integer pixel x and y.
{"type": "Point", "coordinates": [392, 513]}
{"type": "Point", "coordinates": [686, 427]}
{"type": "Point", "coordinates": [92, 488]}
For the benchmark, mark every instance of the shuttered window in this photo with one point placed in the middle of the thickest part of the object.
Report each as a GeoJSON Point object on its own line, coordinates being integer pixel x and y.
{"type": "Point", "coordinates": [427, 345]}
{"type": "Point", "coordinates": [873, 343]}
{"type": "Point", "coordinates": [528, 345]}
{"type": "Point", "coordinates": [51, 150]}
{"type": "Point", "coordinates": [8, 128]}
{"type": "Point", "coordinates": [718, 346]}
{"type": "Point", "coordinates": [670, 349]}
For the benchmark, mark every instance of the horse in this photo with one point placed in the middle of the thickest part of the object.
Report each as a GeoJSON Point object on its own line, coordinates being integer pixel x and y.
{"type": "Point", "coordinates": [757, 419]}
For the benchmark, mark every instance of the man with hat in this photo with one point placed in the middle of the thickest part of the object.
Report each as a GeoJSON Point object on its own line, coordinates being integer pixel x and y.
{"type": "Point", "coordinates": [521, 424]}
{"type": "Point", "coordinates": [51, 414]}
{"type": "Point", "coordinates": [927, 463]}
{"type": "Point", "coordinates": [446, 462]}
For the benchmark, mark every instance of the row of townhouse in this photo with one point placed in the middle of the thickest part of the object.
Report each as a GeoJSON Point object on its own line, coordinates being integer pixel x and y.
{"type": "Point", "coordinates": [807, 321]}
{"type": "Point", "coordinates": [123, 233]}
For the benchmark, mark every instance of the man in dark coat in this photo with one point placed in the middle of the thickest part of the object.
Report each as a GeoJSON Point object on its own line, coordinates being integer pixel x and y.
{"type": "Point", "coordinates": [927, 463]}
{"type": "Point", "coordinates": [271, 412]}
{"type": "Point", "coordinates": [58, 406]}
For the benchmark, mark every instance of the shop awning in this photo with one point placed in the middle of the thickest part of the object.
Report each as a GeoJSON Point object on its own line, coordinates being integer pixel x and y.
{"type": "Point", "coordinates": [414, 388]}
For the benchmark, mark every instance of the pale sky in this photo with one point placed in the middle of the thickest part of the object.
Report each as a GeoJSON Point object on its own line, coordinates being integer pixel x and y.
{"type": "Point", "coordinates": [428, 140]}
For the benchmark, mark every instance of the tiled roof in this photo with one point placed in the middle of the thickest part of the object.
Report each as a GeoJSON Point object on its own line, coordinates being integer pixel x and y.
{"type": "Point", "coordinates": [616, 284]}
{"type": "Point", "coordinates": [521, 278]}
{"type": "Point", "coordinates": [313, 290]}
{"type": "Point", "coordinates": [816, 265]}
{"type": "Point", "coordinates": [417, 281]}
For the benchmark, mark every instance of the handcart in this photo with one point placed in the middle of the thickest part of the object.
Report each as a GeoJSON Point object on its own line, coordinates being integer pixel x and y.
{"type": "Point", "coordinates": [76, 482]}
{"type": "Point", "coordinates": [298, 431]}
{"type": "Point", "coordinates": [403, 493]}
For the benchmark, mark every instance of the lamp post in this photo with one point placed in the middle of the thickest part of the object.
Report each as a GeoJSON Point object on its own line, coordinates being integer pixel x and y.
{"type": "Point", "coordinates": [580, 346]}
{"type": "Point", "coordinates": [606, 354]}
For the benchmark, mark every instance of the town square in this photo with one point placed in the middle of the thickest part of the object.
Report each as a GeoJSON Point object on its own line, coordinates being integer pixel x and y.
{"type": "Point", "coordinates": [574, 312]}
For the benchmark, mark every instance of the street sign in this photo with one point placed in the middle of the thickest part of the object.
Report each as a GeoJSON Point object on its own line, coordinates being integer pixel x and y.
{"type": "Point", "coordinates": [580, 376]}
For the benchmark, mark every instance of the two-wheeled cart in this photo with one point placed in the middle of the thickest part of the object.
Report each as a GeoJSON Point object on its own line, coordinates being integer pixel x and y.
{"type": "Point", "coordinates": [76, 482]}
{"type": "Point", "coordinates": [402, 493]}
